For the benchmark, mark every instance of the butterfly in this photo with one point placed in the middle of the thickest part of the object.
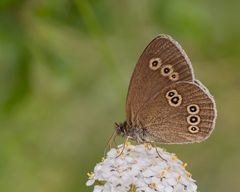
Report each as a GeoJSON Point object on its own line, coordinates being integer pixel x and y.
{"type": "Point", "coordinates": [165, 103]}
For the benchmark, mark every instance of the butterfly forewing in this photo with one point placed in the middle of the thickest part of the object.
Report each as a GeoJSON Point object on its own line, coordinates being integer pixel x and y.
{"type": "Point", "coordinates": [161, 64]}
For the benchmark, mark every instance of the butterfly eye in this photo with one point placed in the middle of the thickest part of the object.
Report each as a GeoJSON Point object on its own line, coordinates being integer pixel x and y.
{"type": "Point", "coordinates": [171, 93]}
{"type": "Point", "coordinates": [155, 63]}
{"type": "Point", "coordinates": [175, 101]}
{"type": "Point", "coordinates": [174, 76]}
{"type": "Point", "coordinates": [193, 119]}
{"type": "Point", "coordinates": [166, 70]}
{"type": "Point", "coordinates": [193, 129]}
{"type": "Point", "coordinates": [193, 109]}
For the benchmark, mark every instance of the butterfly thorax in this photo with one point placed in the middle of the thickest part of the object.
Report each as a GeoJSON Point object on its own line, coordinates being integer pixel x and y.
{"type": "Point", "coordinates": [139, 134]}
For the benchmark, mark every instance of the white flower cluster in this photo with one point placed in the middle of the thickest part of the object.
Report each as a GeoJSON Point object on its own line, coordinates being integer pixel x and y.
{"type": "Point", "coordinates": [140, 169]}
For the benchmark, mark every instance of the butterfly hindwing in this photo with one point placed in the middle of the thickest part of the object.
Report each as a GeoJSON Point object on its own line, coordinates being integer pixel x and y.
{"type": "Point", "coordinates": [183, 112]}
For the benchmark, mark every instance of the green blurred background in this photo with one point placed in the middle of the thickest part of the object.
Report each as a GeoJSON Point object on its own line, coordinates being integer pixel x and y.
{"type": "Point", "coordinates": [64, 72]}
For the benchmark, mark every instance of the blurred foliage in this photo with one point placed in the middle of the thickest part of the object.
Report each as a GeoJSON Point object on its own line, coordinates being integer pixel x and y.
{"type": "Point", "coordinates": [64, 71]}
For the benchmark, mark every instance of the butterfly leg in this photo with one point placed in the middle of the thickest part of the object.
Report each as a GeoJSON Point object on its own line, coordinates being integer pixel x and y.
{"type": "Point", "coordinates": [124, 145]}
{"type": "Point", "coordinates": [155, 146]}
{"type": "Point", "coordinates": [114, 141]}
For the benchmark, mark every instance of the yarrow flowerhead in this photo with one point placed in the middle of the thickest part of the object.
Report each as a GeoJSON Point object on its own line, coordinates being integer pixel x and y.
{"type": "Point", "coordinates": [140, 168]}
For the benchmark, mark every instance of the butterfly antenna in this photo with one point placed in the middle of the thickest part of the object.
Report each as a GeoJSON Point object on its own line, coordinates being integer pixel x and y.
{"type": "Point", "coordinates": [109, 143]}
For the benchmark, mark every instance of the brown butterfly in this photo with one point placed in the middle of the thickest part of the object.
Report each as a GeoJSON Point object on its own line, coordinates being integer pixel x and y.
{"type": "Point", "coordinates": [165, 103]}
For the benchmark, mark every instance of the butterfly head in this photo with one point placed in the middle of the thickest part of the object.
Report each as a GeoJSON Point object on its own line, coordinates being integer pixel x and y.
{"type": "Point", "coordinates": [121, 128]}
